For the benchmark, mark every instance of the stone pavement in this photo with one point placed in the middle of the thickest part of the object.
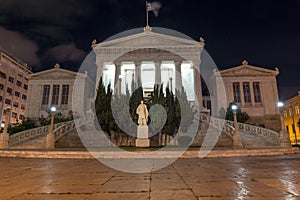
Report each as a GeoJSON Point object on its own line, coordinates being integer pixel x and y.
{"type": "Point", "coordinates": [273, 177]}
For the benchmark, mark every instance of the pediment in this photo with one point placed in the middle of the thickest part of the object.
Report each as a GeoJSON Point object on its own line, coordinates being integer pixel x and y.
{"type": "Point", "coordinates": [148, 39]}
{"type": "Point", "coordinates": [247, 70]}
{"type": "Point", "coordinates": [52, 74]}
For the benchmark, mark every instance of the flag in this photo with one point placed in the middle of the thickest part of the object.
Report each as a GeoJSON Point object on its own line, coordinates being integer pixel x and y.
{"type": "Point", "coordinates": [154, 7]}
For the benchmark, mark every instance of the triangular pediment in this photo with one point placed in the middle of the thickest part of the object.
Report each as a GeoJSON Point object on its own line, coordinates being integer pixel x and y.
{"type": "Point", "coordinates": [55, 73]}
{"type": "Point", "coordinates": [248, 70]}
{"type": "Point", "coordinates": [147, 39]}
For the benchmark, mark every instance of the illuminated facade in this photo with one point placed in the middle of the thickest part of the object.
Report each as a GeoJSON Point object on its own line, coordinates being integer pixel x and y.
{"type": "Point", "coordinates": [14, 75]}
{"type": "Point", "coordinates": [291, 116]}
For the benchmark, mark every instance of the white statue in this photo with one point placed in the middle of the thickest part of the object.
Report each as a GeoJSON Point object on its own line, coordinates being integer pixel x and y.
{"type": "Point", "coordinates": [143, 114]}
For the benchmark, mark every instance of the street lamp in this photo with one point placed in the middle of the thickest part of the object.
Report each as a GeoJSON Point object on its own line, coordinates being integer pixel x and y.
{"type": "Point", "coordinates": [50, 139]}
{"type": "Point", "coordinates": [4, 137]}
{"type": "Point", "coordinates": [284, 135]}
{"type": "Point", "coordinates": [237, 139]}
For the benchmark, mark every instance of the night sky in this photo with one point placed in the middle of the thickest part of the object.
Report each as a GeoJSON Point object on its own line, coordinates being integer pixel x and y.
{"type": "Point", "coordinates": [264, 32]}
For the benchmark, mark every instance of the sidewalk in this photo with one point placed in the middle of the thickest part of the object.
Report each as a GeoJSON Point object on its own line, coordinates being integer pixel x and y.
{"type": "Point", "coordinates": [272, 177]}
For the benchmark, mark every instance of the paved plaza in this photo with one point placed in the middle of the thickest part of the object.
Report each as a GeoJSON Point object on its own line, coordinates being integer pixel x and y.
{"type": "Point", "coordinates": [273, 177]}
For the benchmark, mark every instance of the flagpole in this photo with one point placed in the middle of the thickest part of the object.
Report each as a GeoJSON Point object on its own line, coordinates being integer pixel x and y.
{"type": "Point", "coordinates": [147, 15]}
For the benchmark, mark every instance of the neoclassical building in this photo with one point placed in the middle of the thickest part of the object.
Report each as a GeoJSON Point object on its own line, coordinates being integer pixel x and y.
{"type": "Point", "coordinates": [150, 57]}
{"type": "Point", "coordinates": [165, 58]}
{"type": "Point", "coordinates": [55, 87]}
{"type": "Point", "coordinates": [253, 89]}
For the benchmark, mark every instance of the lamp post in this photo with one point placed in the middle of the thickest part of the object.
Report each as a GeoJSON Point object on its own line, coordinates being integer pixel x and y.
{"type": "Point", "coordinates": [50, 139]}
{"type": "Point", "coordinates": [284, 135]}
{"type": "Point", "coordinates": [237, 139]}
{"type": "Point", "coordinates": [4, 137]}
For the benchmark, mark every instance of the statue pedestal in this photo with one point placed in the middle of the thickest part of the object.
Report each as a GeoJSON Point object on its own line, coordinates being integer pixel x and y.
{"type": "Point", "coordinates": [142, 137]}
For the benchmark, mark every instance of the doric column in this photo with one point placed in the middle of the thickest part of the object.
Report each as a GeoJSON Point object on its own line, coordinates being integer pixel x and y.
{"type": "Point", "coordinates": [197, 83]}
{"type": "Point", "coordinates": [157, 72]}
{"type": "Point", "coordinates": [117, 79]}
{"type": "Point", "coordinates": [138, 71]}
{"type": "Point", "coordinates": [50, 95]}
{"type": "Point", "coordinates": [178, 77]}
{"type": "Point", "coordinates": [242, 93]}
{"type": "Point", "coordinates": [252, 93]}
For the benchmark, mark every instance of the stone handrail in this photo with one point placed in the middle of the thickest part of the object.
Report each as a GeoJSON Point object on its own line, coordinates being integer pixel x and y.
{"type": "Point", "coordinates": [63, 130]}
{"type": "Point", "coordinates": [249, 129]}
{"type": "Point", "coordinates": [218, 124]}
{"type": "Point", "coordinates": [31, 133]}
{"type": "Point", "coordinates": [266, 133]}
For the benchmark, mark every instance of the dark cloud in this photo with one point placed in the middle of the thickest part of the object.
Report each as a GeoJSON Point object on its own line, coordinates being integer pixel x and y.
{"type": "Point", "coordinates": [65, 52]}
{"type": "Point", "coordinates": [20, 46]}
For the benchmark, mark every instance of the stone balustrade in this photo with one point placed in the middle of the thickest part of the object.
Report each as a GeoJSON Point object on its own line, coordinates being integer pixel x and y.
{"type": "Point", "coordinates": [246, 128]}
{"type": "Point", "coordinates": [32, 133]}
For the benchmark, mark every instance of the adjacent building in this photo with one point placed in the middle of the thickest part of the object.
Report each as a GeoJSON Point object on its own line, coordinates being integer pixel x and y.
{"type": "Point", "coordinates": [253, 89]}
{"type": "Point", "coordinates": [55, 87]}
{"type": "Point", "coordinates": [14, 75]}
{"type": "Point", "coordinates": [291, 116]}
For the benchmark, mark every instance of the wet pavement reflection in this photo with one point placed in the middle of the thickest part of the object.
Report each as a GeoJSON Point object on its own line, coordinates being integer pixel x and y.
{"type": "Point", "coordinates": [275, 177]}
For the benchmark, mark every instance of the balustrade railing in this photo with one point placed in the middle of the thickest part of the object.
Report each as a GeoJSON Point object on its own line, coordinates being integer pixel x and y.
{"type": "Point", "coordinates": [23, 136]}
{"type": "Point", "coordinates": [227, 125]}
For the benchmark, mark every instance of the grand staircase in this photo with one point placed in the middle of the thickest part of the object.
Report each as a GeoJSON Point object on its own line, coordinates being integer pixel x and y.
{"type": "Point", "coordinates": [211, 130]}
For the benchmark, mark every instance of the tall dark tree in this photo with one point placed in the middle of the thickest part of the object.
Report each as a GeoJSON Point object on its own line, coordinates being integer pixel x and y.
{"type": "Point", "coordinates": [242, 117]}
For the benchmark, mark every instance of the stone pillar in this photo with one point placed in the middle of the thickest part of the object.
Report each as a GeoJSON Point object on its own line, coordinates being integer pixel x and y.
{"type": "Point", "coordinates": [157, 72]}
{"type": "Point", "coordinates": [285, 141]}
{"type": "Point", "coordinates": [252, 93]}
{"type": "Point", "coordinates": [117, 79]}
{"type": "Point", "coordinates": [242, 93]}
{"type": "Point", "coordinates": [178, 77]}
{"type": "Point", "coordinates": [138, 71]}
{"type": "Point", "coordinates": [197, 83]}
{"type": "Point", "coordinates": [50, 138]}
{"type": "Point", "coordinates": [4, 137]}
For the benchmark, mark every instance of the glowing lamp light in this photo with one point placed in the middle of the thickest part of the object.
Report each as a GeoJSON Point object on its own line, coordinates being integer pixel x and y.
{"type": "Point", "coordinates": [53, 109]}
{"type": "Point", "coordinates": [2, 125]}
{"type": "Point", "coordinates": [280, 104]}
{"type": "Point", "coordinates": [234, 107]}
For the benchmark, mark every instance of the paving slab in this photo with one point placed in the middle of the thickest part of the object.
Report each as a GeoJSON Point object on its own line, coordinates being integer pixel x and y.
{"type": "Point", "coordinates": [271, 177]}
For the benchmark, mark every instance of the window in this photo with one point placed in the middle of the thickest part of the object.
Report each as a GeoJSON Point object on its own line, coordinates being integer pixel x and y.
{"type": "Point", "coordinates": [14, 115]}
{"type": "Point", "coordinates": [24, 97]}
{"type": "Point", "coordinates": [291, 112]}
{"type": "Point", "coordinates": [25, 87]}
{"type": "Point", "coordinates": [16, 105]}
{"type": "Point", "coordinates": [19, 83]}
{"type": "Point", "coordinates": [247, 94]}
{"type": "Point", "coordinates": [285, 114]}
{"type": "Point", "coordinates": [236, 92]}
{"type": "Point", "coordinates": [17, 94]}
{"type": "Point", "coordinates": [2, 75]}
{"type": "Point", "coordinates": [7, 101]}
{"type": "Point", "coordinates": [46, 92]}
{"type": "Point", "coordinates": [1, 98]}
{"type": "Point", "coordinates": [55, 95]}
{"type": "Point", "coordinates": [65, 94]}
{"type": "Point", "coordinates": [1, 87]}
{"type": "Point", "coordinates": [256, 90]}
{"type": "Point", "coordinates": [297, 111]}
{"type": "Point", "coordinates": [9, 90]}
{"type": "Point", "coordinates": [23, 107]}
{"type": "Point", "coordinates": [11, 79]}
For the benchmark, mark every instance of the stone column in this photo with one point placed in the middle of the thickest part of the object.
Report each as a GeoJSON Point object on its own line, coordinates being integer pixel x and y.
{"type": "Point", "coordinates": [117, 84]}
{"type": "Point", "coordinates": [138, 71]}
{"type": "Point", "coordinates": [197, 83]}
{"type": "Point", "coordinates": [178, 77]}
{"type": "Point", "coordinates": [4, 137]}
{"type": "Point", "coordinates": [157, 72]}
{"type": "Point", "coordinates": [252, 93]}
{"type": "Point", "coordinates": [242, 93]}
{"type": "Point", "coordinates": [50, 95]}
